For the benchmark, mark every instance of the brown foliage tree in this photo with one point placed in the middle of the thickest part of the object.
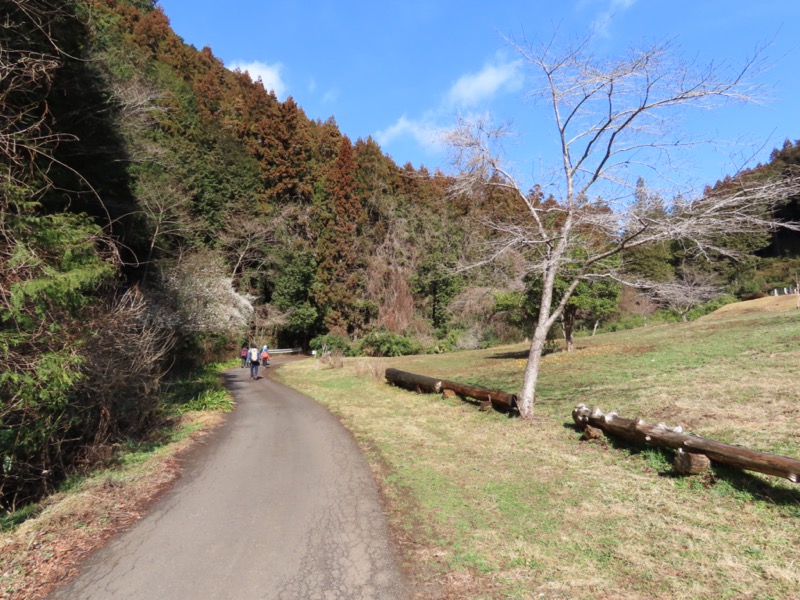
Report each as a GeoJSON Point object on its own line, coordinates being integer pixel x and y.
{"type": "Point", "coordinates": [340, 258]}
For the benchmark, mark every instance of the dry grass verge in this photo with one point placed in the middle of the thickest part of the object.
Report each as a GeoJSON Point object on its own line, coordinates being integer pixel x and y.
{"type": "Point", "coordinates": [45, 551]}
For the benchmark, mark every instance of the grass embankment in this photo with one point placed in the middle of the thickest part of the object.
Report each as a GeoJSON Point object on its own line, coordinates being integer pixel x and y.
{"type": "Point", "coordinates": [490, 507]}
{"type": "Point", "coordinates": [40, 545]}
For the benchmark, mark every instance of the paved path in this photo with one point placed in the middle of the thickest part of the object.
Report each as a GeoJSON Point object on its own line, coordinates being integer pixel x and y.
{"type": "Point", "coordinates": [278, 504]}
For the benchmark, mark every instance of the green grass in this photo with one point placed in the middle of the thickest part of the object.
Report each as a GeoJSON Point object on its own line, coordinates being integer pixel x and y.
{"type": "Point", "coordinates": [501, 508]}
{"type": "Point", "coordinates": [9, 521]}
{"type": "Point", "coordinates": [200, 390]}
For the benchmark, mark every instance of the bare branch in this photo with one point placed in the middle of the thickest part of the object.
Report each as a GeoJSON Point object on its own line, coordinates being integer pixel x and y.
{"type": "Point", "coordinates": [610, 116]}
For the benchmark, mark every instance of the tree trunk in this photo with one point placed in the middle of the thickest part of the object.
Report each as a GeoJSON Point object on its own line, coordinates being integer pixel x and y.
{"type": "Point", "coordinates": [568, 322]}
{"type": "Point", "coordinates": [526, 398]}
{"type": "Point", "coordinates": [673, 437]}
{"type": "Point", "coordinates": [502, 401]}
{"type": "Point", "coordinates": [596, 325]}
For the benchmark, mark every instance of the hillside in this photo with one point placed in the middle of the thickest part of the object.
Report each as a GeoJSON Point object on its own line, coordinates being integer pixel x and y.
{"type": "Point", "coordinates": [159, 210]}
{"type": "Point", "coordinates": [768, 304]}
{"type": "Point", "coordinates": [491, 507]}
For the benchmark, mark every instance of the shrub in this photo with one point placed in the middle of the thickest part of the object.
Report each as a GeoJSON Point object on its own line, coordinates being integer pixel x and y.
{"type": "Point", "coordinates": [710, 306]}
{"type": "Point", "coordinates": [387, 343]}
{"type": "Point", "coordinates": [330, 343]}
{"type": "Point", "coordinates": [209, 399]}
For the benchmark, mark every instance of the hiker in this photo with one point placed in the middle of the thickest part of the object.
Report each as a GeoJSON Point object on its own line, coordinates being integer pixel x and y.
{"type": "Point", "coordinates": [244, 355]}
{"type": "Point", "coordinates": [252, 357]}
{"type": "Point", "coordinates": [264, 356]}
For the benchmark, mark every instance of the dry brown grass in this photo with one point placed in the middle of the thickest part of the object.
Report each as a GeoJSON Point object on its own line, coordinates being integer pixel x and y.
{"type": "Point", "coordinates": [758, 306]}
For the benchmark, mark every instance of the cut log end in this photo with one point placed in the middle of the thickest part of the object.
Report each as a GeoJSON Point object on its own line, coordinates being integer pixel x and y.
{"type": "Point", "coordinates": [691, 463]}
{"type": "Point", "coordinates": [592, 433]}
{"type": "Point", "coordinates": [580, 414]}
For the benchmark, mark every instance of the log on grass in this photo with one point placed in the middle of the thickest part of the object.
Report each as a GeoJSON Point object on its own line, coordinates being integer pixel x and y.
{"type": "Point", "coordinates": [673, 437]}
{"type": "Point", "coordinates": [412, 381]}
{"type": "Point", "coordinates": [502, 401]}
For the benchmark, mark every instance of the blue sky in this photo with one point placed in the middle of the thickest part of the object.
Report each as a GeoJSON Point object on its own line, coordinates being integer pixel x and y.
{"type": "Point", "coordinates": [401, 71]}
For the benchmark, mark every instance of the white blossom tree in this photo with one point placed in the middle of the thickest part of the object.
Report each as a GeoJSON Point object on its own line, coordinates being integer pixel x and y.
{"type": "Point", "coordinates": [612, 119]}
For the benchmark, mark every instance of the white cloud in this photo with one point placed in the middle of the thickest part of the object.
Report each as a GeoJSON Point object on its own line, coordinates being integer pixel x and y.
{"type": "Point", "coordinates": [270, 75]}
{"type": "Point", "coordinates": [424, 132]}
{"type": "Point", "coordinates": [467, 92]}
{"type": "Point", "coordinates": [474, 88]}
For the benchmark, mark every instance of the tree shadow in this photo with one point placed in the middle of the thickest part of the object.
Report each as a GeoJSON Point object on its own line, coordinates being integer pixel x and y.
{"type": "Point", "coordinates": [516, 355]}
{"type": "Point", "coordinates": [509, 355]}
{"type": "Point", "coordinates": [486, 406]}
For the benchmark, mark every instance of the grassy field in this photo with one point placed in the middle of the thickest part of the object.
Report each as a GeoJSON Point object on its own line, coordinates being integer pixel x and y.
{"type": "Point", "coordinates": [485, 506]}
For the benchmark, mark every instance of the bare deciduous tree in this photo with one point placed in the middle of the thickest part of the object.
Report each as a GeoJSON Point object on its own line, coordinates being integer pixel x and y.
{"type": "Point", "coordinates": [692, 288]}
{"type": "Point", "coordinates": [29, 58]}
{"type": "Point", "coordinates": [200, 297]}
{"type": "Point", "coordinates": [167, 210]}
{"type": "Point", "coordinates": [611, 119]}
{"type": "Point", "coordinates": [246, 242]}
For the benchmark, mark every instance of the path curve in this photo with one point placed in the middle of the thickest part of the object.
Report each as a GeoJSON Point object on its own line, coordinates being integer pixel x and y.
{"type": "Point", "coordinates": [279, 504]}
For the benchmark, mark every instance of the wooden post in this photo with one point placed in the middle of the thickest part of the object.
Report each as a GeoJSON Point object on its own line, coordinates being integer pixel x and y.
{"type": "Point", "coordinates": [690, 463]}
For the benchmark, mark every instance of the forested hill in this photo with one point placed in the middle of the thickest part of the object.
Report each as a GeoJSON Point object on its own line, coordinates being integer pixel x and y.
{"type": "Point", "coordinates": [159, 210]}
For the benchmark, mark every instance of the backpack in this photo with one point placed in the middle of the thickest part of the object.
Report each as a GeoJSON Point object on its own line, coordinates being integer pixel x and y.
{"type": "Point", "coordinates": [253, 355]}
{"type": "Point", "coordinates": [265, 355]}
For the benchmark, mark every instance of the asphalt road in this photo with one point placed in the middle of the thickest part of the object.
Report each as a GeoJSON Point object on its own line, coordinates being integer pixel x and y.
{"type": "Point", "coordinates": [279, 503]}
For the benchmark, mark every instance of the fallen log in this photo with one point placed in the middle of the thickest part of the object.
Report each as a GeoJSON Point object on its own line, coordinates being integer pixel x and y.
{"type": "Point", "coordinates": [499, 400]}
{"type": "Point", "coordinates": [502, 401]}
{"type": "Point", "coordinates": [413, 382]}
{"type": "Point", "coordinates": [673, 437]}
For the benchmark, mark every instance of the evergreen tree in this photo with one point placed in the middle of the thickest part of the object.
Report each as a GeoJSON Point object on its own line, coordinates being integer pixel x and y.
{"type": "Point", "coordinates": [340, 258]}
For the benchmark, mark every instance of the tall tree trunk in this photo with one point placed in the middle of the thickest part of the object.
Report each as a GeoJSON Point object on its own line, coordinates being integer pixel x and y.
{"type": "Point", "coordinates": [543, 325]}
{"type": "Point", "coordinates": [568, 323]}
{"type": "Point", "coordinates": [526, 398]}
